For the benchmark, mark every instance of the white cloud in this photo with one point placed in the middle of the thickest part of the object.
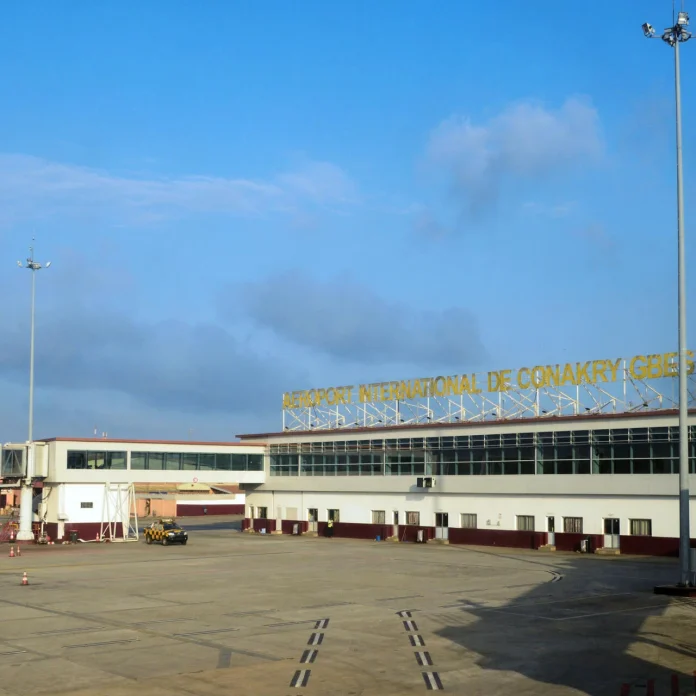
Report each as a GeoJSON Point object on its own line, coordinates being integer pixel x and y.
{"type": "Point", "coordinates": [31, 187]}
{"type": "Point", "coordinates": [524, 142]}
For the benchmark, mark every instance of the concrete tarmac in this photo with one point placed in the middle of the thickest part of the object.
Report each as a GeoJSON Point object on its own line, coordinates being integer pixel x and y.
{"type": "Point", "coordinates": [254, 615]}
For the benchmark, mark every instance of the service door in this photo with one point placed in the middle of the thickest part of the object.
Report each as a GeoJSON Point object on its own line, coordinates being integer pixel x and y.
{"type": "Point", "coordinates": [313, 517]}
{"type": "Point", "coordinates": [612, 530]}
{"type": "Point", "coordinates": [551, 530]}
{"type": "Point", "coordinates": [441, 525]}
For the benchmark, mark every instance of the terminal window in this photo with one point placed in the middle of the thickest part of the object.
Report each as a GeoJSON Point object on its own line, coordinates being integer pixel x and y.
{"type": "Point", "coordinates": [413, 518]}
{"type": "Point", "coordinates": [469, 521]}
{"type": "Point", "coordinates": [334, 515]}
{"type": "Point", "coordinates": [379, 517]}
{"type": "Point", "coordinates": [525, 523]}
{"type": "Point", "coordinates": [566, 452]}
{"type": "Point", "coordinates": [87, 459]}
{"type": "Point", "coordinates": [641, 527]}
{"type": "Point", "coordinates": [572, 525]}
{"type": "Point", "coordinates": [195, 461]}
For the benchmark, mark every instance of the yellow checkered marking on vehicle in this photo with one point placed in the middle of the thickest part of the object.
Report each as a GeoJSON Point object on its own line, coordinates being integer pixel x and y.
{"type": "Point", "coordinates": [158, 534]}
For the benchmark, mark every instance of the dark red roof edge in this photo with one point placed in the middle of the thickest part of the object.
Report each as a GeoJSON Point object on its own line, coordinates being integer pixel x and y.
{"type": "Point", "coordinates": [472, 424]}
{"type": "Point", "coordinates": [149, 442]}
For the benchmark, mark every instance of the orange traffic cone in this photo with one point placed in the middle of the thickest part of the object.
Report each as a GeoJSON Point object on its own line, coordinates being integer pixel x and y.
{"type": "Point", "coordinates": [97, 537]}
{"type": "Point", "coordinates": [12, 553]}
{"type": "Point", "coordinates": [25, 580]}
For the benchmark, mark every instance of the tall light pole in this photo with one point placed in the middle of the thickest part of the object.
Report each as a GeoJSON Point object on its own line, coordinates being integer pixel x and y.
{"type": "Point", "coordinates": [26, 500]}
{"type": "Point", "coordinates": [674, 36]}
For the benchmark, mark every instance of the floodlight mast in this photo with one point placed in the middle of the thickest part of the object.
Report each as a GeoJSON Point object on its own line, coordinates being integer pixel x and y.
{"type": "Point", "coordinates": [674, 36]}
{"type": "Point", "coordinates": [25, 532]}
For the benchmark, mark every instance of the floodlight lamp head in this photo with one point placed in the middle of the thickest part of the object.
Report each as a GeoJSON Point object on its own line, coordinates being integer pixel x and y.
{"type": "Point", "coordinates": [648, 30]}
{"type": "Point", "coordinates": [683, 19]}
{"type": "Point", "coordinates": [20, 264]}
{"type": "Point", "coordinates": [48, 264]}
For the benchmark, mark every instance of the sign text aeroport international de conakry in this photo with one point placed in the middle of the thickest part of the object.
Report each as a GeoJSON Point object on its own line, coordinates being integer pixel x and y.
{"type": "Point", "coordinates": [595, 372]}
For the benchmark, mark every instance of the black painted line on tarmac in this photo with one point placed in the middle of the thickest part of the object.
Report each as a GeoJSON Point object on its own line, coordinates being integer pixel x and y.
{"type": "Point", "coordinates": [433, 681]}
{"type": "Point", "coordinates": [322, 623]}
{"type": "Point", "coordinates": [309, 656]}
{"type": "Point", "coordinates": [391, 599]}
{"type": "Point", "coordinates": [424, 659]}
{"type": "Point", "coordinates": [316, 639]}
{"type": "Point", "coordinates": [301, 678]}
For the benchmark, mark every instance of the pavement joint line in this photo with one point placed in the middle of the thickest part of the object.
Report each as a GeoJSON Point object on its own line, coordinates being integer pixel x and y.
{"type": "Point", "coordinates": [103, 642]}
{"type": "Point", "coordinates": [207, 632]}
{"type": "Point", "coordinates": [148, 632]}
{"type": "Point", "coordinates": [171, 559]}
{"type": "Point", "coordinates": [609, 613]}
{"type": "Point", "coordinates": [153, 621]}
{"type": "Point", "coordinates": [487, 589]}
{"type": "Point", "coordinates": [325, 606]}
{"type": "Point", "coordinates": [568, 599]}
{"type": "Point", "coordinates": [57, 632]}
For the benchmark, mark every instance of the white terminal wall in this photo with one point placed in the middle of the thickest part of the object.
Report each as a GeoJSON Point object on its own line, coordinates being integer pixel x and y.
{"type": "Point", "coordinates": [498, 499]}
{"type": "Point", "coordinates": [64, 503]}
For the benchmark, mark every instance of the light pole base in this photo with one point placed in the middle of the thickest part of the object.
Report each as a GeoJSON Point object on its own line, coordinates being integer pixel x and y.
{"type": "Point", "coordinates": [24, 536]}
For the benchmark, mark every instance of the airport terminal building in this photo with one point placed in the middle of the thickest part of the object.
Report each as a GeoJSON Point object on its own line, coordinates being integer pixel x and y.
{"type": "Point", "coordinates": [591, 466]}
{"type": "Point", "coordinates": [581, 456]}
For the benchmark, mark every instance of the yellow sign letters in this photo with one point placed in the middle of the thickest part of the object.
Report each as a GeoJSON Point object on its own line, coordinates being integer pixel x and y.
{"type": "Point", "coordinates": [537, 377]}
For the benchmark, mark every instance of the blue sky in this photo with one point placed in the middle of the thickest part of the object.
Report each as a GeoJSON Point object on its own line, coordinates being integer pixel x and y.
{"type": "Point", "coordinates": [245, 198]}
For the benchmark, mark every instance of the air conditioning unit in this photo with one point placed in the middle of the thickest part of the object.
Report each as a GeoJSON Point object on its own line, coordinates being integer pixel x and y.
{"type": "Point", "coordinates": [425, 482]}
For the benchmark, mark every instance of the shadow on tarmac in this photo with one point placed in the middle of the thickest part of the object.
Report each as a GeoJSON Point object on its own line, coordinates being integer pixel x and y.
{"type": "Point", "coordinates": [599, 630]}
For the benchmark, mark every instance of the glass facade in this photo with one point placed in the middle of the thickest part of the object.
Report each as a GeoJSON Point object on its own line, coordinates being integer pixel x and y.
{"type": "Point", "coordinates": [88, 459]}
{"type": "Point", "coordinates": [191, 461]}
{"type": "Point", "coordinates": [602, 451]}
{"type": "Point", "coordinates": [165, 461]}
{"type": "Point", "coordinates": [13, 464]}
